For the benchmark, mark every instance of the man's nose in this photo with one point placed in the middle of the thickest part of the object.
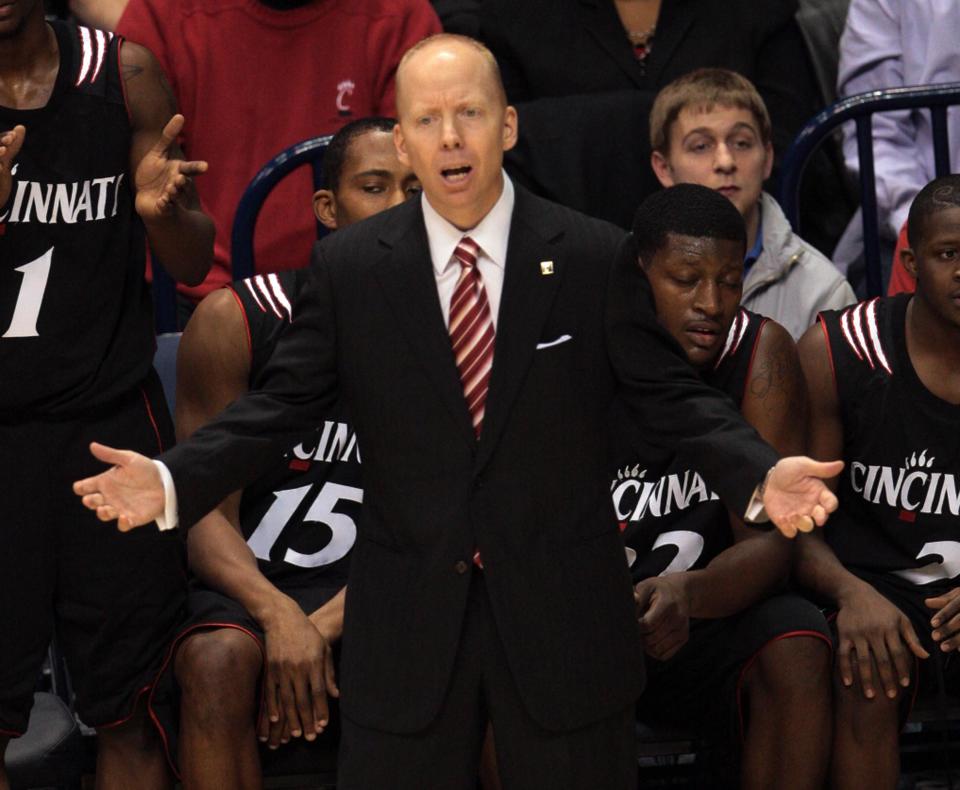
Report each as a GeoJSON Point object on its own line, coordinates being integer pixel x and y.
{"type": "Point", "coordinates": [707, 299]}
{"type": "Point", "coordinates": [450, 134]}
{"type": "Point", "coordinates": [723, 159]}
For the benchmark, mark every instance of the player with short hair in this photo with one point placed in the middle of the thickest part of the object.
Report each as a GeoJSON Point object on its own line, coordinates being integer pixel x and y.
{"type": "Point", "coordinates": [89, 165]}
{"type": "Point", "coordinates": [728, 650]}
{"type": "Point", "coordinates": [884, 383]}
{"type": "Point", "coordinates": [711, 127]}
{"type": "Point", "coordinates": [272, 560]}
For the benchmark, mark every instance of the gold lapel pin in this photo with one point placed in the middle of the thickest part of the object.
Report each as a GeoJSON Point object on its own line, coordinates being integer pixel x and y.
{"type": "Point", "coordinates": [546, 267]}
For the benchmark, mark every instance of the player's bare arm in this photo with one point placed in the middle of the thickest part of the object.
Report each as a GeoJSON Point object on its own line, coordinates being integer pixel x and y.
{"type": "Point", "coordinates": [180, 234]}
{"type": "Point", "coordinates": [876, 639]}
{"type": "Point", "coordinates": [10, 143]}
{"type": "Point", "coordinates": [213, 369]}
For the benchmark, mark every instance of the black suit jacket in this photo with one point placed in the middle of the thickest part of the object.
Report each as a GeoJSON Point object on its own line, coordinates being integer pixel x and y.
{"type": "Point", "coordinates": [532, 494]}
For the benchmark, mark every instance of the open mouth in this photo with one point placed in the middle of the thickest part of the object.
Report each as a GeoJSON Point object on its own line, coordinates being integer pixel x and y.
{"type": "Point", "coordinates": [703, 336]}
{"type": "Point", "coordinates": [452, 175]}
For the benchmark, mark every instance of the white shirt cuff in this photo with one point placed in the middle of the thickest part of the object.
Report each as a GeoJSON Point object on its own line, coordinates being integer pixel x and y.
{"type": "Point", "coordinates": [755, 512]}
{"type": "Point", "coordinates": [169, 518]}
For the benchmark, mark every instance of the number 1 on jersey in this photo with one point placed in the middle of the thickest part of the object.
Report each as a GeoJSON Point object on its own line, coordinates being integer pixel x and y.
{"type": "Point", "coordinates": [27, 310]}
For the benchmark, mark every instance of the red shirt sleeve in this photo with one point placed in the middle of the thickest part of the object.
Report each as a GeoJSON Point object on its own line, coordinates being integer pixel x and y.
{"type": "Point", "coordinates": [900, 279]}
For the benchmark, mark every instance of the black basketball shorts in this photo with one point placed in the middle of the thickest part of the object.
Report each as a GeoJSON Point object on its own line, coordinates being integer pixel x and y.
{"type": "Point", "coordinates": [114, 598]}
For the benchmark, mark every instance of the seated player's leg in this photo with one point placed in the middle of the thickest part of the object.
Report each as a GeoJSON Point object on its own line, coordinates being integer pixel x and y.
{"type": "Point", "coordinates": [866, 747]}
{"type": "Point", "coordinates": [119, 598]}
{"type": "Point", "coordinates": [218, 672]}
{"type": "Point", "coordinates": [27, 569]}
{"type": "Point", "coordinates": [785, 699]}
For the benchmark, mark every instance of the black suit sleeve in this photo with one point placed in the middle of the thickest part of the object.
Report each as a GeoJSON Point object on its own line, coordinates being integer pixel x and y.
{"type": "Point", "coordinates": [676, 408]}
{"type": "Point", "coordinates": [298, 385]}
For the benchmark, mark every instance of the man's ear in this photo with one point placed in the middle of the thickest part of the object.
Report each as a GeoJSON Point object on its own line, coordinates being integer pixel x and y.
{"type": "Point", "coordinates": [768, 165]}
{"type": "Point", "coordinates": [511, 128]}
{"type": "Point", "coordinates": [909, 260]}
{"type": "Point", "coordinates": [401, 145]}
{"type": "Point", "coordinates": [325, 208]}
{"type": "Point", "coordinates": [662, 170]}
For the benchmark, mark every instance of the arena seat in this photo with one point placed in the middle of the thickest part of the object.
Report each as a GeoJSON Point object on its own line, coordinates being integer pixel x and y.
{"type": "Point", "coordinates": [245, 220]}
{"type": "Point", "coordinates": [165, 363]}
{"type": "Point", "coordinates": [50, 753]}
{"type": "Point", "coordinates": [860, 109]}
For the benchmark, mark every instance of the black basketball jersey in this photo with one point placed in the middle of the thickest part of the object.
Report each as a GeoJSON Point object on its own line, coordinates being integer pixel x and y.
{"type": "Point", "coordinates": [76, 328]}
{"type": "Point", "coordinates": [900, 490]}
{"type": "Point", "coordinates": [670, 519]}
{"type": "Point", "coordinates": [301, 519]}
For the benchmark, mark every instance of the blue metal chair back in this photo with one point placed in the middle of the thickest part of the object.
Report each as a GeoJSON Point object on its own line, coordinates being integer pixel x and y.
{"type": "Point", "coordinates": [244, 222]}
{"type": "Point", "coordinates": [860, 109]}
{"type": "Point", "coordinates": [241, 237]}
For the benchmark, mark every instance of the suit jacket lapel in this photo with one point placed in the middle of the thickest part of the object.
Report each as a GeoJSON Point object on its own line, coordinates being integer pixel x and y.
{"type": "Point", "coordinates": [410, 286]}
{"type": "Point", "coordinates": [524, 306]}
{"type": "Point", "coordinates": [599, 18]}
{"type": "Point", "coordinates": [675, 19]}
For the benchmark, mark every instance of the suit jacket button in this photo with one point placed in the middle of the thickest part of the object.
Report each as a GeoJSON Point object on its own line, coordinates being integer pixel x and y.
{"type": "Point", "coordinates": [461, 567]}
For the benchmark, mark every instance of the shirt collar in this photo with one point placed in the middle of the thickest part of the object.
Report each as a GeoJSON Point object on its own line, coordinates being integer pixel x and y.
{"type": "Point", "coordinates": [757, 249]}
{"type": "Point", "coordinates": [491, 234]}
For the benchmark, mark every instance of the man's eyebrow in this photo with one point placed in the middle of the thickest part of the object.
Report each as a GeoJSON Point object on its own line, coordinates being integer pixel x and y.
{"type": "Point", "coordinates": [372, 172]}
{"type": "Point", "coordinates": [737, 127]}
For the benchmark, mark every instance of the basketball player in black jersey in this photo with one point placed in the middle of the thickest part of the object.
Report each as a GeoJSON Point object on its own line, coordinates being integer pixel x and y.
{"type": "Point", "coordinates": [729, 652]}
{"type": "Point", "coordinates": [884, 382]}
{"type": "Point", "coordinates": [88, 162]}
{"type": "Point", "coordinates": [272, 563]}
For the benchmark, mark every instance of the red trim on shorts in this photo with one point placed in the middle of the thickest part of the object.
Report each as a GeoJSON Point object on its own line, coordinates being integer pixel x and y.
{"type": "Point", "coordinates": [174, 646]}
{"type": "Point", "coordinates": [246, 321]}
{"type": "Point", "coordinates": [826, 342]}
{"type": "Point", "coordinates": [129, 716]}
{"type": "Point", "coordinates": [753, 356]}
{"type": "Point", "coordinates": [752, 660]}
{"type": "Point", "coordinates": [153, 422]}
{"type": "Point", "coordinates": [12, 733]}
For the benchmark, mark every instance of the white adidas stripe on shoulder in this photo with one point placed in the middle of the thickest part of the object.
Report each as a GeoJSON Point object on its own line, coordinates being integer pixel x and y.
{"type": "Point", "coordinates": [93, 51]}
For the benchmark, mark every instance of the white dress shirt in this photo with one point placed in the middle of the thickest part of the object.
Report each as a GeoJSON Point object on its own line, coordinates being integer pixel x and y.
{"type": "Point", "coordinates": [491, 235]}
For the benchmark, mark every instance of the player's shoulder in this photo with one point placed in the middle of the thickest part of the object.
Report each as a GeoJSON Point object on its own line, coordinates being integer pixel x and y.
{"type": "Point", "coordinates": [862, 332]}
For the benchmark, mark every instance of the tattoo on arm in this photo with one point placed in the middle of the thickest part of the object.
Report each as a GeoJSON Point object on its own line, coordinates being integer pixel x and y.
{"type": "Point", "coordinates": [770, 378]}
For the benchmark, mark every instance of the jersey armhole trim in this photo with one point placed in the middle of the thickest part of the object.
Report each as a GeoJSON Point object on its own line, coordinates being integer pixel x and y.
{"type": "Point", "coordinates": [246, 321]}
{"type": "Point", "coordinates": [826, 343]}
{"type": "Point", "coordinates": [153, 421]}
{"type": "Point", "coordinates": [753, 356]}
{"type": "Point", "coordinates": [123, 83]}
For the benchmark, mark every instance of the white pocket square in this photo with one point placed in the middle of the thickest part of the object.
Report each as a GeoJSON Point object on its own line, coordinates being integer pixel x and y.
{"type": "Point", "coordinates": [557, 342]}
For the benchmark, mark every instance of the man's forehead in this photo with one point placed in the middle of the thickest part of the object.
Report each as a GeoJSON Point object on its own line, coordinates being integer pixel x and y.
{"type": "Point", "coordinates": [445, 71]}
{"type": "Point", "coordinates": [714, 117]}
{"type": "Point", "coordinates": [371, 150]}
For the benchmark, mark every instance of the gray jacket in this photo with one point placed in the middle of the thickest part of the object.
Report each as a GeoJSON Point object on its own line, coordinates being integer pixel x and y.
{"type": "Point", "coordinates": [791, 281]}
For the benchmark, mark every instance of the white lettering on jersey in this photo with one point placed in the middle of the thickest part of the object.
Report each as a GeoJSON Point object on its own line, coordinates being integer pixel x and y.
{"type": "Point", "coordinates": [948, 568]}
{"type": "Point", "coordinates": [912, 488]}
{"type": "Point", "coordinates": [68, 203]}
{"type": "Point", "coordinates": [337, 442]}
{"type": "Point", "coordinates": [634, 497]}
{"type": "Point", "coordinates": [689, 548]}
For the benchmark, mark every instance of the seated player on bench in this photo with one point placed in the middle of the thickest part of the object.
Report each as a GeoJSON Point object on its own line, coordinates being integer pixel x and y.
{"type": "Point", "coordinates": [729, 652]}
{"type": "Point", "coordinates": [271, 561]}
{"type": "Point", "coordinates": [884, 383]}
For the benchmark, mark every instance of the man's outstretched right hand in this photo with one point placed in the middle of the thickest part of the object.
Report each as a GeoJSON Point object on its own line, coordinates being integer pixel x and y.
{"type": "Point", "coordinates": [130, 492]}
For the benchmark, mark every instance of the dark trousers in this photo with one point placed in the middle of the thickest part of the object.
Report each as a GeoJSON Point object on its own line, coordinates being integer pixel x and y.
{"type": "Point", "coordinates": [446, 755]}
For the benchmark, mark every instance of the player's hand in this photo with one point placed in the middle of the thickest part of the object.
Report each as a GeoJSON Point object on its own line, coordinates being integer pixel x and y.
{"type": "Point", "coordinates": [664, 615]}
{"type": "Point", "coordinates": [875, 635]}
{"type": "Point", "coordinates": [10, 143]}
{"type": "Point", "coordinates": [130, 492]}
{"type": "Point", "coordinates": [946, 619]}
{"type": "Point", "coordinates": [299, 676]}
{"type": "Point", "coordinates": [161, 178]}
{"type": "Point", "coordinates": [795, 496]}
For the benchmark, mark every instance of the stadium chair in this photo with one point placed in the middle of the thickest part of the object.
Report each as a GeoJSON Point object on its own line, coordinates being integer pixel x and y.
{"type": "Point", "coordinates": [244, 223]}
{"type": "Point", "coordinates": [50, 753]}
{"type": "Point", "coordinates": [165, 363]}
{"type": "Point", "coordinates": [860, 109]}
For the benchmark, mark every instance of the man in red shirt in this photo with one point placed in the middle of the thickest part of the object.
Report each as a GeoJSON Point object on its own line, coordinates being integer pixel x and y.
{"type": "Point", "coordinates": [254, 77]}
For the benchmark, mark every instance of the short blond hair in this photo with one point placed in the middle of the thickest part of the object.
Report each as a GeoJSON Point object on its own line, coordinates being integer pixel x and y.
{"type": "Point", "coordinates": [703, 90]}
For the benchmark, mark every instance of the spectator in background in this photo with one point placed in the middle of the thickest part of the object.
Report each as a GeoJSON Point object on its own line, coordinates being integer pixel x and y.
{"type": "Point", "coordinates": [583, 74]}
{"type": "Point", "coordinates": [892, 44]}
{"type": "Point", "coordinates": [711, 127]}
{"type": "Point", "coordinates": [254, 78]}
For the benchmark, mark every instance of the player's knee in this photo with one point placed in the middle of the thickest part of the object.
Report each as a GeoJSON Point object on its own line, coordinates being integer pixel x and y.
{"type": "Point", "coordinates": [132, 739]}
{"type": "Point", "coordinates": [864, 720]}
{"type": "Point", "coordinates": [792, 668]}
{"type": "Point", "coordinates": [218, 670]}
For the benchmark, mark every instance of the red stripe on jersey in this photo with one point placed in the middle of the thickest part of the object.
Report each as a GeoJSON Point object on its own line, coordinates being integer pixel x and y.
{"type": "Point", "coordinates": [908, 515]}
{"type": "Point", "coordinates": [299, 465]}
{"type": "Point", "coordinates": [153, 421]}
{"type": "Point", "coordinates": [246, 321]}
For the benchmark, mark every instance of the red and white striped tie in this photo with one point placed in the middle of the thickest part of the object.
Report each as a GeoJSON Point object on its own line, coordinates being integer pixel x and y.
{"type": "Point", "coordinates": [471, 331]}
